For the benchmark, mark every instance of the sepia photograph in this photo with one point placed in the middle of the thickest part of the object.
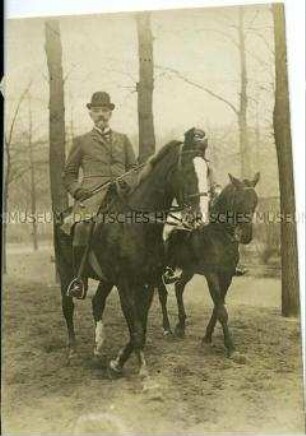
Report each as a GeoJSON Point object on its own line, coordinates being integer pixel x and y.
{"type": "Point", "coordinates": [150, 262]}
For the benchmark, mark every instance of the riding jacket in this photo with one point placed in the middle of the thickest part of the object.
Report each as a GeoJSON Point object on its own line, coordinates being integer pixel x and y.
{"type": "Point", "coordinates": [101, 156]}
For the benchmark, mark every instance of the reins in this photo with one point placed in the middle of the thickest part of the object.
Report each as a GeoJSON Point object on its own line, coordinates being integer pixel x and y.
{"type": "Point", "coordinates": [181, 197]}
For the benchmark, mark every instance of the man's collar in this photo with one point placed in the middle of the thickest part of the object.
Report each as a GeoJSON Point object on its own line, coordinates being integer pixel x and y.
{"type": "Point", "coordinates": [106, 131]}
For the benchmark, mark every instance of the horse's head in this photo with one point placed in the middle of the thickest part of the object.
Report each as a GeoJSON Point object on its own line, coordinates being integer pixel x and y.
{"type": "Point", "coordinates": [192, 170]}
{"type": "Point", "coordinates": [238, 202]}
{"type": "Point", "coordinates": [195, 142]}
{"type": "Point", "coordinates": [171, 173]}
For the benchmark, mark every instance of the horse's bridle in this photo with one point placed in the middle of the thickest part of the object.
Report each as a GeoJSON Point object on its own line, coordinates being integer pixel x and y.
{"type": "Point", "coordinates": [235, 226]}
{"type": "Point", "coordinates": [181, 195]}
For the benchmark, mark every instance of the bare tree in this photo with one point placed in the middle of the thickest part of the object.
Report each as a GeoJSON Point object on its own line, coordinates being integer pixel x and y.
{"type": "Point", "coordinates": [56, 115]}
{"type": "Point", "coordinates": [8, 177]}
{"type": "Point", "coordinates": [32, 178]}
{"type": "Point", "coordinates": [145, 87]}
{"type": "Point", "coordinates": [59, 196]}
{"type": "Point", "coordinates": [243, 98]}
{"type": "Point", "coordinates": [236, 34]}
{"type": "Point", "coordinates": [282, 134]}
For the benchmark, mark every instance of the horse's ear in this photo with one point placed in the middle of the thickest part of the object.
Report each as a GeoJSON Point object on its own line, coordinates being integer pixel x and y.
{"type": "Point", "coordinates": [256, 179]}
{"type": "Point", "coordinates": [236, 182]}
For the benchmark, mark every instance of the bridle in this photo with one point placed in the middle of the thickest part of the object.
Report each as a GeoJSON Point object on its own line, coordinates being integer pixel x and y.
{"type": "Point", "coordinates": [182, 197]}
{"type": "Point", "coordinates": [233, 227]}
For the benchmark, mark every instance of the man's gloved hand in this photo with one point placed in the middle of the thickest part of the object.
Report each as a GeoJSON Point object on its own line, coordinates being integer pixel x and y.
{"type": "Point", "coordinates": [123, 186]}
{"type": "Point", "coordinates": [199, 223]}
{"type": "Point", "coordinates": [82, 194]}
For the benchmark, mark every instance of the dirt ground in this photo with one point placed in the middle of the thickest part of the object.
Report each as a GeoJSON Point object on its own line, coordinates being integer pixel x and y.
{"type": "Point", "coordinates": [192, 390]}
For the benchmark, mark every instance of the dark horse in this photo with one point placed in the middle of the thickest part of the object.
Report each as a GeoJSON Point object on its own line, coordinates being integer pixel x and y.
{"type": "Point", "coordinates": [130, 250]}
{"type": "Point", "coordinates": [212, 251]}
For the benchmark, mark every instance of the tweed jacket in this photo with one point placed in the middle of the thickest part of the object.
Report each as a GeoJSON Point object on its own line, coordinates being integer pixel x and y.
{"type": "Point", "coordinates": [100, 159]}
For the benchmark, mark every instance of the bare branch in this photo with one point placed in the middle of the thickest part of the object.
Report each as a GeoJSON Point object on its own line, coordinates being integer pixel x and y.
{"type": "Point", "coordinates": [259, 59]}
{"type": "Point", "coordinates": [264, 40]}
{"type": "Point", "coordinates": [229, 37]}
{"type": "Point", "coordinates": [122, 73]}
{"type": "Point", "coordinates": [199, 86]}
{"type": "Point", "coordinates": [17, 175]}
{"type": "Point", "coordinates": [253, 19]}
{"type": "Point", "coordinates": [72, 67]}
{"type": "Point", "coordinates": [227, 21]}
{"type": "Point", "coordinates": [8, 139]}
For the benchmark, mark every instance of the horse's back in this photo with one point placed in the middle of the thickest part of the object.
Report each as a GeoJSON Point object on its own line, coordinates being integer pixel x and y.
{"type": "Point", "coordinates": [205, 249]}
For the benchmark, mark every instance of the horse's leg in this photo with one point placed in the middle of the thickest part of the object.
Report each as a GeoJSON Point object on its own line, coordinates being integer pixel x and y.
{"type": "Point", "coordinates": [163, 297]}
{"type": "Point", "coordinates": [135, 308]}
{"type": "Point", "coordinates": [63, 257]}
{"type": "Point", "coordinates": [179, 290]}
{"type": "Point", "coordinates": [128, 309]}
{"type": "Point", "coordinates": [68, 311]}
{"type": "Point", "coordinates": [225, 281]}
{"type": "Point", "coordinates": [214, 284]}
{"type": "Point", "coordinates": [98, 305]}
{"type": "Point", "coordinates": [143, 305]}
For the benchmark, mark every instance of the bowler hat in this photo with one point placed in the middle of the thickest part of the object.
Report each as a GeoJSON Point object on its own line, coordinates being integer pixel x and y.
{"type": "Point", "coordinates": [101, 99]}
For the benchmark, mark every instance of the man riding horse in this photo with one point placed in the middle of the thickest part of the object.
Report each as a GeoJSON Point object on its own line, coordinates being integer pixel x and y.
{"type": "Point", "coordinates": [103, 155]}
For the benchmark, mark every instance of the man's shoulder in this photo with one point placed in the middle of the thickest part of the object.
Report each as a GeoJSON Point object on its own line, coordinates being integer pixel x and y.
{"type": "Point", "coordinates": [83, 137]}
{"type": "Point", "coordinates": [119, 135]}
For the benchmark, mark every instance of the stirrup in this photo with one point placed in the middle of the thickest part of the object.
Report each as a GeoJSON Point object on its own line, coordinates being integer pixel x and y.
{"type": "Point", "coordinates": [241, 271]}
{"type": "Point", "coordinates": [171, 276]}
{"type": "Point", "coordinates": [77, 289]}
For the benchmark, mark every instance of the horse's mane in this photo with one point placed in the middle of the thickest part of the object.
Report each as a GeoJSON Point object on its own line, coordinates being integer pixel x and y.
{"type": "Point", "coordinates": [147, 169]}
{"type": "Point", "coordinates": [222, 198]}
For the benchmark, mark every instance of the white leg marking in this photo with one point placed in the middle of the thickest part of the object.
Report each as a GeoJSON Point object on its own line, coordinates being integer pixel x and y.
{"type": "Point", "coordinates": [99, 338]}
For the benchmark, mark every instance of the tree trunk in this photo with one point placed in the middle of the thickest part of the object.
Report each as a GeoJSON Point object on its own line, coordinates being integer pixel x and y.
{"type": "Point", "coordinates": [6, 213]}
{"type": "Point", "coordinates": [243, 100]}
{"type": "Point", "coordinates": [256, 157]}
{"type": "Point", "coordinates": [53, 47]}
{"type": "Point", "coordinates": [282, 134]}
{"type": "Point", "coordinates": [56, 115]}
{"type": "Point", "coordinates": [145, 87]}
{"type": "Point", "coordinates": [32, 181]}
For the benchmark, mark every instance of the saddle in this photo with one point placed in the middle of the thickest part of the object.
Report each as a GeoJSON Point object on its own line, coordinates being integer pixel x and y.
{"type": "Point", "coordinates": [81, 232]}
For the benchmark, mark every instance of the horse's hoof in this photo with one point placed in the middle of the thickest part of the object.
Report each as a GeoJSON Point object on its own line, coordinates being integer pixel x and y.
{"type": "Point", "coordinates": [206, 341]}
{"type": "Point", "coordinates": [179, 332]}
{"type": "Point", "coordinates": [143, 373]}
{"type": "Point", "coordinates": [72, 355]}
{"type": "Point", "coordinates": [237, 357]}
{"type": "Point", "coordinates": [114, 370]}
{"type": "Point", "coordinates": [206, 345]}
{"type": "Point", "coordinates": [167, 332]}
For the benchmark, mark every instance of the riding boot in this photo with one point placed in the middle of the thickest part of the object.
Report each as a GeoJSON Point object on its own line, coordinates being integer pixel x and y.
{"type": "Point", "coordinates": [79, 286]}
{"type": "Point", "coordinates": [82, 237]}
{"type": "Point", "coordinates": [172, 273]}
{"type": "Point", "coordinates": [240, 271]}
